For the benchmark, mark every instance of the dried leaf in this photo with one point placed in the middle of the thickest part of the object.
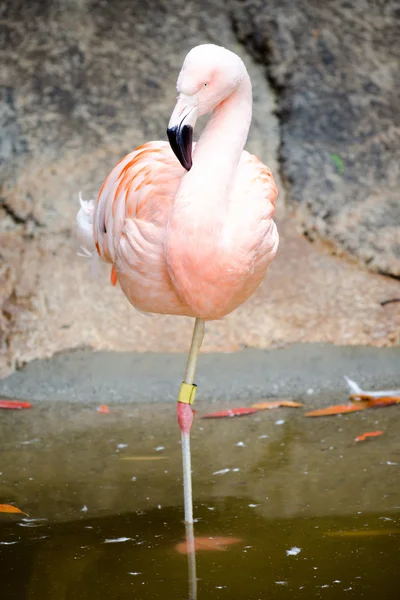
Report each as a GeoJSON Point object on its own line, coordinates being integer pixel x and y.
{"type": "Point", "coordinates": [103, 408]}
{"type": "Point", "coordinates": [367, 434]}
{"type": "Point", "coordinates": [8, 508]}
{"type": "Point", "coordinates": [208, 543]}
{"type": "Point", "coordinates": [382, 402]}
{"type": "Point", "coordinates": [14, 404]}
{"type": "Point", "coordinates": [277, 404]}
{"type": "Point", "coordinates": [337, 409]}
{"type": "Point", "coordinates": [233, 412]}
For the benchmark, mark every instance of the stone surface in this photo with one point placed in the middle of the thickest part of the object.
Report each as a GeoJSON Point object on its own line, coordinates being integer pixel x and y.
{"type": "Point", "coordinates": [83, 83]}
{"type": "Point", "coordinates": [336, 66]}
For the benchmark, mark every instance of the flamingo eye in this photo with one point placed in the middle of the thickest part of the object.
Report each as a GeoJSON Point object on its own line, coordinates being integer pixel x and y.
{"type": "Point", "coordinates": [206, 85]}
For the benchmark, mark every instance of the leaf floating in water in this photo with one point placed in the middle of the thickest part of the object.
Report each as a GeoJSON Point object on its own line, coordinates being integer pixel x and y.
{"type": "Point", "coordinates": [277, 404]}
{"type": "Point", "coordinates": [14, 404]}
{"type": "Point", "coordinates": [233, 412]}
{"type": "Point", "coordinates": [103, 408]}
{"type": "Point", "coordinates": [367, 434]}
{"type": "Point", "coordinates": [8, 508]}
{"type": "Point", "coordinates": [143, 457]}
{"type": "Point", "coordinates": [208, 543]}
{"type": "Point", "coordinates": [337, 409]}
{"type": "Point", "coordinates": [382, 402]}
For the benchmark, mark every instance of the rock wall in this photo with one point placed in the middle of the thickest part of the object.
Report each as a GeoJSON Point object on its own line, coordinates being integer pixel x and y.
{"type": "Point", "coordinates": [335, 65]}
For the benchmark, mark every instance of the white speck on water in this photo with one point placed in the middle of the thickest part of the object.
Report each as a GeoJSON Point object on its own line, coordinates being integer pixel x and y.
{"type": "Point", "coordinates": [293, 551]}
{"type": "Point", "coordinates": [252, 505]}
{"type": "Point", "coordinates": [133, 479]}
{"type": "Point", "coordinates": [117, 540]}
{"type": "Point", "coordinates": [221, 472]}
{"type": "Point", "coordinates": [236, 469]}
{"type": "Point", "coordinates": [160, 448]}
{"type": "Point", "coordinates": [159, 506]}
{"type": "Point", "coordinates": [165, 471]}
{"type": "Point", "coordinates": [8, 543]}
{"type": "Point", "coordinates": [30, 479]}
{"type": "Point", "coordinates": [84, 508]}
{"type": "Point", "coordinates": [121, 446]}
{"type": "Point", "coordinates": [336, 581]}
{"type": "Point", "coordinates": [240, 444]}
{"type": "Point", "coordinates": [211, 507]}
{"type": "Point", "coordinates": [134, 573]}
{"type": "Point", "coordinates": [280, 422]}
{"type": "Point", "coordinates": [220, 587]}
{"type": "Point", "coordinates": [348, 589]}
{"type": "Point", "coordinates": [263, 436]}
{"type": "Point", "coordinates": [325, 586]}
{"type": "Point", "coordinates": [281, 582]}
{"type": "Point", "coordinates": [386, 519]}
{"type": "Point", "coordinates": [389, 462]}
{"type": "Point", "coordinates": [310, 391]}
{"type": "Point", "coordinates": [29, 442]}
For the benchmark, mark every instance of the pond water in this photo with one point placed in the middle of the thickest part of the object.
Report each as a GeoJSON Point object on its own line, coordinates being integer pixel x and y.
{"type": "Point", "coordinates": [285, 507]}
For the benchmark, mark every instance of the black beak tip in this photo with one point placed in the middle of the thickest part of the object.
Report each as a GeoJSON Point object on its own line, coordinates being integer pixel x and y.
{"type": "Point", "coordinates": [180, 140]}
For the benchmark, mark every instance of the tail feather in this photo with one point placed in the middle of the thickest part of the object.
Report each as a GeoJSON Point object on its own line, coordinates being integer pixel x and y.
{"type": "Point", "coordinates": [84, 232]}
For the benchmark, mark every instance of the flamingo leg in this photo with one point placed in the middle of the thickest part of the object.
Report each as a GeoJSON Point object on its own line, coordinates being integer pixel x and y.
{"type": "Point", "coordinates": [185, 415]}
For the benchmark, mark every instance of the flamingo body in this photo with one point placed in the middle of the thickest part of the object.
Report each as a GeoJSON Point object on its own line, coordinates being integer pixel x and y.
{"type": "Point", "coordinates": [216, 271]}
{"type": "Point", "coordinates": [192, 236]}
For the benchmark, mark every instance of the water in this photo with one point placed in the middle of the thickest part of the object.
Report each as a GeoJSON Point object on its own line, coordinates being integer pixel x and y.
{"type": "Point", "coordinates": [312, 515]}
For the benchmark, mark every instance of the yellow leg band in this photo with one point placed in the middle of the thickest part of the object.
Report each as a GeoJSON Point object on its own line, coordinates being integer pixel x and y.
{"type": "Point", "coordinates": [187, 393]}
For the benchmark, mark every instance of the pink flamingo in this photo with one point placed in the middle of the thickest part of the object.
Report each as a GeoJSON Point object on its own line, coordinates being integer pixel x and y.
{"type": "Point", "coordinates": [192, 236]}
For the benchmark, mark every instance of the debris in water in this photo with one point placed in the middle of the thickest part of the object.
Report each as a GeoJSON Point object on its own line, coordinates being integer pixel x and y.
{"type": "Point", "coordinates": [293, 551]}
{"type": "Point", "coordinates": [362, 532]}
{"type": "Point", "coordinates": [14, 404]}
{"type": "Point", "coordinates": [221, 472]}
{"type": "Point", "coordinates": [366, 435]}
{"type": "Point", "coordinates": [122, 446]}
{"type": "Point", "coordinates": [143, 457]}
{"type": "Point", "coordinates": [240, 444]}
{"type": "Point", "coordinates": [117, 540]}
{"type": "Point", "coordinates": [208, 543]}
{"type": "Point", "coordinates": [277, 404]}
{"type": "Point", "coordinates": [337, 409]}
{"type": "Point", "coordinates": [103, 408]}
{"type": "Point", "coordinates": [359, 394]}
{"type": "Point", "coordinates": [84, 508]}
{"type": "Point", "coordinates": [8, 508]}
{"type": "Point", "coordinates": [280, 422]}
{"type": "Point", "coordinates": [233, 412]}
{"type": "Point", "coordinates": [159, 448]}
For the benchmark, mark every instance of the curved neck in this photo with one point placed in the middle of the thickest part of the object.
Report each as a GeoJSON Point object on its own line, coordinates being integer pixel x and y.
{"type": "Point", "coordinates": [217, 153]}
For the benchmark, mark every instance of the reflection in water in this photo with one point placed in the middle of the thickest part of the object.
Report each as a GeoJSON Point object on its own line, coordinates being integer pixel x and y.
{"type": "Point", "coordinates": [191, 558]}
{"type": "Point", "coordinates": [61, 561]}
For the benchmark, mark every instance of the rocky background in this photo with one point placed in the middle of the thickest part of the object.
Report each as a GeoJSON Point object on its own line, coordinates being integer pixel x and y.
{"type": "Point", "coordinates": [83, 82]}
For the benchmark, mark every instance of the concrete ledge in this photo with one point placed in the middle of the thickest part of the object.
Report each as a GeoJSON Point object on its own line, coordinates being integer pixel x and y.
{"type": "Point", "coordinates": [87, 376]}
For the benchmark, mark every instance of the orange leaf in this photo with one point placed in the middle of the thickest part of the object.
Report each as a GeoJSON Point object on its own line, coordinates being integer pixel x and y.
{"type": "Point", "coordinates": [8, 508]}
{"type": "Point", "coordinates": [233, 412]}
{"type": "Point", "coordinates": [208, 543]}
{"type": "Point", "coordinates": [337, 409]}
{"type": "Point", "coordinates": [367, 434]}
{"type": "Point", "coordinates": [381, 402]}
{"type": "Point", "coordinates": [103, 409]}
{"type": "Point", "coordinates": [14, 404]}
{"type": "Point", "coordinates": [277, 404]}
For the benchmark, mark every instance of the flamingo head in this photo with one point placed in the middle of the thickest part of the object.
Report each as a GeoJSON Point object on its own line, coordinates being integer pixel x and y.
{"type": "Point", "coordinates": [208, 76]}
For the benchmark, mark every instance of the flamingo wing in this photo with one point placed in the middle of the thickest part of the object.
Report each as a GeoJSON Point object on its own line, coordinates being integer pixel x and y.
{"type": "Point", "coordinates": [130, 223]}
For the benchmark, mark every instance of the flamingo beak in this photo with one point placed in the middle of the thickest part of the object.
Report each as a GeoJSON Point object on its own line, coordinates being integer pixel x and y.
{"type": "Point", "coordinates": [180, 129]}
